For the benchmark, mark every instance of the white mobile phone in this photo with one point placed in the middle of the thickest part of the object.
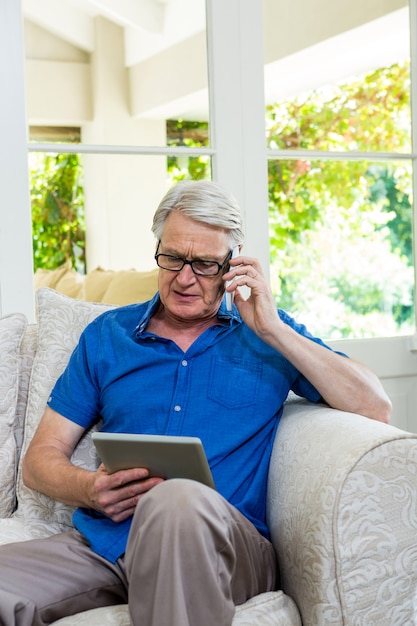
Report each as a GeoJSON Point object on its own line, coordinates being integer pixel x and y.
{"type": "Point", "coordinates": [229, 296]}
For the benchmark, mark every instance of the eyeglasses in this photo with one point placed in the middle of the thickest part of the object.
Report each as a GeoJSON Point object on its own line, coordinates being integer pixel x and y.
{"type": "Point", "coordinates": [198, 266]}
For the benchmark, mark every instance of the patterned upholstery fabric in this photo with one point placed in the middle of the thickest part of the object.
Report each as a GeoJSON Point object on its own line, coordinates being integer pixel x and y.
{"type": "Point", "coordinates": [267, 609]}
{"type": "Point", "coordinates": [26, 356]}
{"type": "Point", "coordinates": [60, 323]}
{"type": "Point", "coordinates": [343, 517]}
{"type": "Point", "coordinates": [342, 495]}
{"type": "Point", "coordinates": [12, 328]}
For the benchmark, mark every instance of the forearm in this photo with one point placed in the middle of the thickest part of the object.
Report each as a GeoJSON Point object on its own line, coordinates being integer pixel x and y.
{"type": "Point", "coordinates": [47, 468]}
{"type": "Point", "coordinates": [342, 382]}
{"type": "Point", "coordinates": [49, 471]}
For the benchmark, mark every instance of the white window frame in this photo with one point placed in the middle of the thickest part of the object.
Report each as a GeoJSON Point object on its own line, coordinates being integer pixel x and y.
{"type": "Point", "coordinates": [16, 257]}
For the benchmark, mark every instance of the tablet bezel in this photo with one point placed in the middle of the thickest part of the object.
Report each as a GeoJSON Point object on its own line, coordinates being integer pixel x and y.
{"type": "Point", "coordinates": [164, 455]}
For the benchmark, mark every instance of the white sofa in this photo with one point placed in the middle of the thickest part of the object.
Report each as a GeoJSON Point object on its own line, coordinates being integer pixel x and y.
{"type": "Point", "coordinates": [342, 494]}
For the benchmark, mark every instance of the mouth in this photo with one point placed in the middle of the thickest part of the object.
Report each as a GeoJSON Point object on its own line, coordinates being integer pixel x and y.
{"type": "Point", "coordinates": [186, 297]}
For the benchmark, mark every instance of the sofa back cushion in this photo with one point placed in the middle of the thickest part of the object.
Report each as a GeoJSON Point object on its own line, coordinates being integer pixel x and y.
{"type": "Point", "coordinates": [118, 287]}
{"type": "Point", "coordinates": [63, 279]}
{"type": "Point", "coordinates": [61, 321]}
{"type": "Point", "coordinates": [12, 328]}
{"type": "Point", "coordinates": [129, 286]}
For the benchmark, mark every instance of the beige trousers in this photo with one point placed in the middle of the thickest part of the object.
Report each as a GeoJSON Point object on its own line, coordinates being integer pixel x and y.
{"type": "Point", "coordinates": [191, 557]}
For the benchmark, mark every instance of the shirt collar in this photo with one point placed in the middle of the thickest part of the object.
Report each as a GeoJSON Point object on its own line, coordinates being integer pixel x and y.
{"type": "Point", "coordinates": [232, 315]}
{"type": "Point", "coordinates": [152, 305]}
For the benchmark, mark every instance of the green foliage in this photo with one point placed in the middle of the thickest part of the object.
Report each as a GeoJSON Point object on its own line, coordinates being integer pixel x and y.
{"type": "Point", "coordinates": [348, 289]}
{"type": "Point", "coordinates": [367, 114]}
{"type": "Point", "coordinates": [191, 134]}
{"type": "Point", "coordinates": [57, 198]}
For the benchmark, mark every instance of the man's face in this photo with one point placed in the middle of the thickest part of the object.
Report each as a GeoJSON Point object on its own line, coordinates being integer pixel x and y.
{"type": "Point", "coordinates": [185, 295]}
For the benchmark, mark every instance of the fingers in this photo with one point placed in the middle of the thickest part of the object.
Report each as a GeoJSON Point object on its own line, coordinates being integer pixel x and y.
{"type": "Point", "coordinates": [258, 310]}
{"type": "Point", "coordinates": [118, 494]}
{"type": "Point", "coordinates": [244, 271]}
{"type": "Point", "coordinates": [244, 265]}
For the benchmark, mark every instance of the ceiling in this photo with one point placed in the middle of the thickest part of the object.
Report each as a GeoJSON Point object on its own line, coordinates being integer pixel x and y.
{"type": "Point", "coordinates": [326, 45]}
{"type": "Point", "coordinates": [150, 25]}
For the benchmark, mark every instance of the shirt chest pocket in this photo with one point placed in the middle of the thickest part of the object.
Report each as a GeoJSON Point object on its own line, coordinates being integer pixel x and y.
{"type": "Point", "coordinates": [234, 383]}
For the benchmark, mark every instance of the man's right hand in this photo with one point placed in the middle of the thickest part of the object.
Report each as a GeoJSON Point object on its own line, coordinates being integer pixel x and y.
{"type": "Point", "coordinates": [116, 495]}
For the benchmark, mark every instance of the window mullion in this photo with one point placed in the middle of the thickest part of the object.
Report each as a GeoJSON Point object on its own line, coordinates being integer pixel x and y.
{"type": "Point", "coordinates": [237, 112]}
{"type": "Point", "coordinates": [413, 77]}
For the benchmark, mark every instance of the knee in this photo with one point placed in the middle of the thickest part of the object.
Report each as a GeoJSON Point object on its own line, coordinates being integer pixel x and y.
{"type": "Point", "coordinates": [178, 512]}
{"type": "Point", "coordinates": [177, 500]}
{"type": "Point", "coordinates": [180, 509]}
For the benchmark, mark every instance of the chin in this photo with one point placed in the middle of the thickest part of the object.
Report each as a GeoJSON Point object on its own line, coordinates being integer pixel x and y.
{"type": "Point", "coordinates": [191, 311]}
{"type": "Point", "coordinates": [188, 312]}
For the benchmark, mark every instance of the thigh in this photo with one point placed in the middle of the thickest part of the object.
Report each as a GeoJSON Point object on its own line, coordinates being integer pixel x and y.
{"type": "Point", "coordinates": [57, 576]}
{"type": "Point", "coordinates": [184, 525]}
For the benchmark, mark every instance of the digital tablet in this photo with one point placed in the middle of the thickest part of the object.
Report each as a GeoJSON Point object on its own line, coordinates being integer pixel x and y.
{"type": "Point", "coordinates": [164, 456]}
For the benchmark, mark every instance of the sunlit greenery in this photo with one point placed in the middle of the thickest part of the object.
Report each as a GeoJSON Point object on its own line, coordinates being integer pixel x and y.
{"type": "Point", "coordinates": [191, 134]}
{"type": "Point", "coordinates": [341, 231]}
{"type": "Point", "coordinates": [57, 198]}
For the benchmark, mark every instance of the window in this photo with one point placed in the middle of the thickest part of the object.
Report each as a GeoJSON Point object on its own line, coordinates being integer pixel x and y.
{"type": "Point", "coordinates": [338, 127]}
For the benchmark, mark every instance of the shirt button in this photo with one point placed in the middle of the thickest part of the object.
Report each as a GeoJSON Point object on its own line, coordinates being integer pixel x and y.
{"type": "Point", "coordinates": [184, 363]}
{"type": "Point", "coordinates": [177, 408]}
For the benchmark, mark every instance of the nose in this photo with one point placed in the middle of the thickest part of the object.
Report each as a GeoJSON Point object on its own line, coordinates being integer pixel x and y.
{"type": "Point", "coordinates": [185, 275]}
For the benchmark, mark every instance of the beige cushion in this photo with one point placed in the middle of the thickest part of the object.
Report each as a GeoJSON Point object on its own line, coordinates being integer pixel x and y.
{"type": "Point", "coordinates": [64, 279]}
{"type": "Point", "coordinates": [70, 284]}
{"type": "Point", "coordinates": [107, 286]}
{"type": "Point", "coordinates": [130, 286]}
{"type": "Point", "coordinates": [96, 283]}
{"type": "Point", "coordinates": [60, 322]}
{"type": "Point", "coordinates": [50, 278]}
{"type": "Point", "coordinates": [12, 328]}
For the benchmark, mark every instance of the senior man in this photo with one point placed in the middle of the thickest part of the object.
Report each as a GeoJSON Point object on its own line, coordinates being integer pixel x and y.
{"type": "Point", "coordinates": [180, 553]}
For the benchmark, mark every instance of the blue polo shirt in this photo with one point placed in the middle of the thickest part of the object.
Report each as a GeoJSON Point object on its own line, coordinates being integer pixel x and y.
{"type": "Point", "coordinates": [228, 389]}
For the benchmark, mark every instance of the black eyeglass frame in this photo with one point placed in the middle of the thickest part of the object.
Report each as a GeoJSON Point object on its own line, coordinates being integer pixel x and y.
{"type": "Point", "coordinates": [191, 263]}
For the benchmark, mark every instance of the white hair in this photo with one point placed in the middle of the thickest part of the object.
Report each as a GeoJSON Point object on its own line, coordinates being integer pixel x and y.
{"type": "Point", "coordinates": [203, 201]}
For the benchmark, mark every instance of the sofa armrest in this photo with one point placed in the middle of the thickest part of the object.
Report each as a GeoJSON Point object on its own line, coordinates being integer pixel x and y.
{"type": "Point", "coordinates": [342, 510]}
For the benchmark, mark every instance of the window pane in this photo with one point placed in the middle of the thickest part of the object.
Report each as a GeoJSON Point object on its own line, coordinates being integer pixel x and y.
{"type": "Point", "coordinates": [111, 197]}
{"type": "Point", "coordinates": [339, 78]}
{"type": "Point", "coordinates": [115, 76]}
{"type": "Point", "coordinates": [57, 199]}
{"type": "Point", "coordinates": [341, 245]}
